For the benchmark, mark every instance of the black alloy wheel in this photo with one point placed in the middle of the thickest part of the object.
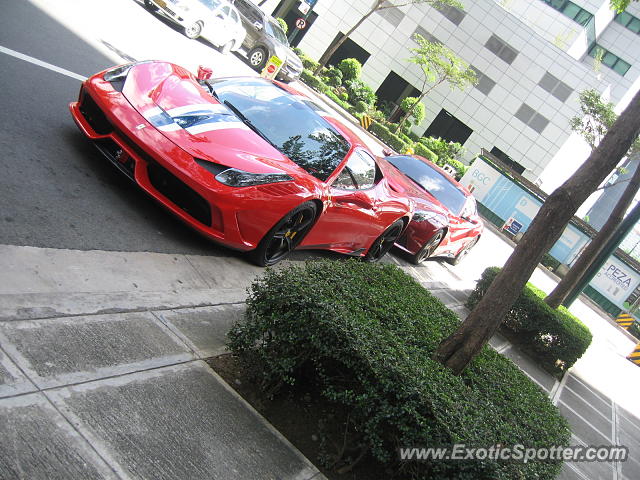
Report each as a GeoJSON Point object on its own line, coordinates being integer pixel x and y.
{"type": "Point", "coordinates": [287, 234]}
{"type": "Point", "coordinates": [463, 253]}
{"type": "Point", "coordinates": [428, 248]}
{"type": "Point", "coordinates": [384, 242]}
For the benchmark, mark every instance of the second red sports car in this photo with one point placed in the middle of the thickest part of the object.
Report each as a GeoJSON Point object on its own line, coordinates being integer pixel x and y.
{"type": "Point", "coordinates": [247, 162]}
{"type": "Point", "coordinates": [446, 221]}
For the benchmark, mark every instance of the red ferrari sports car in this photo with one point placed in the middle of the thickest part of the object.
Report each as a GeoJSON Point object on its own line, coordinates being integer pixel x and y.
{"type": "Point", "coordinates": [446, 221]}
{"type": "Point", "coordinates": [249, 163]}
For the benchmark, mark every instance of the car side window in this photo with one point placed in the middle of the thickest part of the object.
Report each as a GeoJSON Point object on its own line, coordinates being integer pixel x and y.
{"type": "Point", "coordinates": [234, 16]}
{"type": "Point", "coordinates": [344, 181]}
{"type": "Point", "coordinates": [358, 174]}
{"type": "Point", "coordinates": [226, 11]}
{"type": "Point", "coordinates": [248, 11]}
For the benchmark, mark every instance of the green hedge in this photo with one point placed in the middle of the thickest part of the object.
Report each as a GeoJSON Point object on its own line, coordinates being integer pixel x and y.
{"type": "Point", "coordinates": [384, 134]}
{"type": "Point", "coordinates": [364, 334]}
{"type": "Point", "coordinates": [550, 262]}
{"type": "Point", "coordinates": [554, 337]}
{"type": "Point", "coordinates": [421, 150]}
{"type": "Point", "coordinates": [314, 82]}
{"type": "Point", "coordinates": [307, 62]}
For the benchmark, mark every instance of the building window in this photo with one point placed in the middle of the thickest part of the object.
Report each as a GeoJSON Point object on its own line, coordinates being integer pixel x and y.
{"type": "Point", "coordinates": [609, 59]}
{"type": "Point", "coordinates": [555, 87]}
{"type": "Point", "coordinates": [507, 160]}
{"type": "Point", "coordinates": [533, 119]}
{"type": "Point", "coordinates": [391, 14]}
{"type": "Point", "coordinates": [502, 49]}
{"type": "Point", "coordinates": [349, 49]}
{"type": "Point", "coordinates": [571, 10]}
{"type": "Point", "coordinates": [485, 84]}
{"type": "Point", "coordinates": [449, 128]}
{"type": "Point", "coordinates": [451, 13]}
{"type": "Point", "coordinates": [629, 21]}
{"type": "Point", "coordinates": [426, 35]}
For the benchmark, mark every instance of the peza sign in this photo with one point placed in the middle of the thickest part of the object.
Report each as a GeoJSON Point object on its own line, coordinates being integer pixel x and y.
{"type": "Point", "coordinates": [616, 281]}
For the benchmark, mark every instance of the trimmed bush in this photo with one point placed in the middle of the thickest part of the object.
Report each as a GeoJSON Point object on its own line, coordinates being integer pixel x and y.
{"type": "Point", "coordinates": [364, 334]}
{"type": "Point", "coordinates": [553, 337]}
{"type": "Point", "coordinates": [333, 77]}
{"type": "Point", "coordinates": [307, 62]}
{"type": "Point", "coordinates": [338, 100]}
{"type": "Point", "coordinates": [350, 68]}
{"type": "Point", "coordinates": [283, 24]}
{"type": "Point", "coordinates": [314, 82]}
{"type": "Point", "coordinates": [423, 151]}
{"type": "Point", "coordinates": [361, 107]}
{"type": "Point", "coordinates": [419, 110]}
{"type": "Point", "coordinates": [460, 167]}
{"type": "Point", "coordinates": [445, 150]}
{"type": "Point", "coordinates": [360, 92]}
{"type": "Point", "coordinates": [550, 262]}
{"type": "Point", "coordinates": [384, 134]}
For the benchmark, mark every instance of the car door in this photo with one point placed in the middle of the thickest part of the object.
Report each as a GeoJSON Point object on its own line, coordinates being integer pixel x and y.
{"type": "Point", "coordinates": [351, 220]}
{"type": "Point", "coordinates": [462, 228]}
{"type": "Point", "coordinates": [250, 17]}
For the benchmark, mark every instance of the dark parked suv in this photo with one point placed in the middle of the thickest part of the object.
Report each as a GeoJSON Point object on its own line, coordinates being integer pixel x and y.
{"type": "Point", "coordinates": [266, 38]}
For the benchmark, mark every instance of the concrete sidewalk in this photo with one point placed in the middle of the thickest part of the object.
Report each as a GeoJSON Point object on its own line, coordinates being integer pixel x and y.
{"type": "Point", "coordinates": [101, 371]}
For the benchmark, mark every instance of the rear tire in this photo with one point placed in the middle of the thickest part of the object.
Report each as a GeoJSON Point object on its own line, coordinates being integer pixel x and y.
{"type": "Point", "coordinates": [285, 236]}
{"type": "Point", "coordinates": [428, 248]}
{"type": "Point", "coordinates": [384, 242]}
{"type": "Point", "coordinates": [257, 58]}
{"type": "Point", "coordinates": [193, 31]}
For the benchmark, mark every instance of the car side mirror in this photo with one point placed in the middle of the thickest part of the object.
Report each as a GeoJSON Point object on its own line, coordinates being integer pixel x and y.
{"type": "Point", "coordinates": [258, 25]}
{"type": "Point", "coordinates": [356, 197]}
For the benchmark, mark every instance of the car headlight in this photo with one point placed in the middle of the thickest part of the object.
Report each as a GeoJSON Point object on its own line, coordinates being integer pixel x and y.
{"type": "Point", "coordinates": [239, 178]}
{"type": "Point", "coordinates": [432, 217]}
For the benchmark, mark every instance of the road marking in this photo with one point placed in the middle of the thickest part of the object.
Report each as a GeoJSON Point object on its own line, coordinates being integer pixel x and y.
{"type": "Point", "coordinates": [42, 64]}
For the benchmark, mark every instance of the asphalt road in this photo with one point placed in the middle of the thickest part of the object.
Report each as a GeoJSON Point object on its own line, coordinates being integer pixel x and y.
{"type": "Point", "coordinates": [56, 190]}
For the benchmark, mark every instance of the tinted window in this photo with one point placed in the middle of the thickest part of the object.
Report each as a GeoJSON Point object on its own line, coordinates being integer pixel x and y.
{"type": "Point", "coordinates": [248, 10]}
{"type": "Point", "coordinates": [358, 173]}
{"type": "Point", "coordinates": [296, 130]}
{"type": "Point", "coordinates": [432, 181]}
{"type": "Point", "coordinates": [276, 32]}
{"type": "Point", "coordinates": [345, 180]}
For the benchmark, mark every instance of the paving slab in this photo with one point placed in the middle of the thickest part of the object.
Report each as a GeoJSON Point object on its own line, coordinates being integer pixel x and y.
{"type": "Point", "coordinates": [589, 394]}
{"type": "Point", "coordinates": [602, 421]}
{"type": "Point", "coordinates": [529, 366]}
{"type": "Point", "coordinates": [582, 429]}
{"type": "Point", "coordinates": [179, 422]}
{"type": "Point", "coordinates": [68, 350]}
{"type": "Point", "coordinates": [203, 329]}
{"type": "Point", "coordinates": [37, 443]}
{"type": "Point", "coordinates": [12, 380]}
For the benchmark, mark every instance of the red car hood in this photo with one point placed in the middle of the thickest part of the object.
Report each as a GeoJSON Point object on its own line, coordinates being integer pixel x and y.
{"type": "Point", "coordinates": [169, 98]}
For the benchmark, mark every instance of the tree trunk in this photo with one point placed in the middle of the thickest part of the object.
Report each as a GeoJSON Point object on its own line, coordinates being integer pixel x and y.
{"type": "Point", "coordinates": [327, 55]}
{"type": "Point", "coordinates": [462, 346]}
{"type": "Point", "coordinates": [588, 255]}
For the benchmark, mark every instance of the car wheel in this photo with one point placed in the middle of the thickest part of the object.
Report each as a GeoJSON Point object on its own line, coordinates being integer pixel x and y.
{"type": "Point", "coordinates": [463, 253]}
{"type": "Point", "coordinates": [150, 6]}
{"type": "Point", "coordinates": [226, 48]}
{"type": "Point", "coordinates": [286, 235]}
{"type": "Point", "coordinates": [257, 58]}
{"type": "Point", "coordinates": [428, 248]}
{"type": "Point", "coordinates": [193, 31]}
{"type": "Point", "coordinates": [384, 242]}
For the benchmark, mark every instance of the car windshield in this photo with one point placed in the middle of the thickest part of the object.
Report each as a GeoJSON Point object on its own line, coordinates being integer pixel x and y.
{"type": "Point", "coordinates": [432, 181]}
{"type": "Point", "coordinates": [288, 123]}
{"type": "Point", "coordinates": [274, 30]}
{"type": "Point", "coordinates": [211, 4]}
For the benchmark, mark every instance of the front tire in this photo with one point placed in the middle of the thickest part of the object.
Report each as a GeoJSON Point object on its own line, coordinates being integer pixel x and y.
{"type": "Point", "coordinates": [286, 235]}
{"type": "Point", "coordinates": [193, 31]}
{"type": "Point", "coordinates": [384, 242]}
{"type": "Point", "coordinates": [257, 58]}
{"type": "Point", "coordinates": [428, 248]}
{"type": "Point", "coordinates": [462, 254]}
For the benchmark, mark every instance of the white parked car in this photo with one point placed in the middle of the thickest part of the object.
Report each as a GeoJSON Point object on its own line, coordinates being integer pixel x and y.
{"type": "Point", "coordinates": [218, 21]}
